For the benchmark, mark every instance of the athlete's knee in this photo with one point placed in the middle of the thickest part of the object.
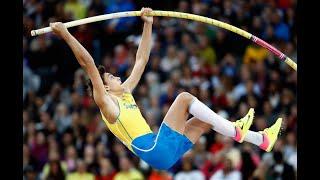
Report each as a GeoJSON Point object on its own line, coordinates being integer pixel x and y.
{"type": "Point", "coordinates": [185, 97]}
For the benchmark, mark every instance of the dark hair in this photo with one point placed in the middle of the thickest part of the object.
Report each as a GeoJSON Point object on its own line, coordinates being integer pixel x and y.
{"type": "Point", "coordinates": [101, 70]}
{"type": "Point", "coordinates": [278, 156]}
{"type": "Point", "coordinates": [58, 175]}
{"type": "Point", "coordinates": [248, 165]}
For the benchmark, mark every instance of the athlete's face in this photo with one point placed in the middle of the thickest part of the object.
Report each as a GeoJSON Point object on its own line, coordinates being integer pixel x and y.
{"type": "Point", "coordinates": [113, 83]}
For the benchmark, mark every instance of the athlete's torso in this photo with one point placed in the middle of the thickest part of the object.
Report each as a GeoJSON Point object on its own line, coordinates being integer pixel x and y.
{"type": "Point", "coordinates": [130, 124]}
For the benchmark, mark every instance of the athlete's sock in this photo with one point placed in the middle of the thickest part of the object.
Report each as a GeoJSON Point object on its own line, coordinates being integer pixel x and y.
{"type": "Point", "coordinates": [254, 138]}
{"type": "Point", "coordinates": [205, 114]}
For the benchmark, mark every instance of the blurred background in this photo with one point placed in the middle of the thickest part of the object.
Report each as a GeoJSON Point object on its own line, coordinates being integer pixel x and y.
{"type": "Point", "coordinates": [64, 136]}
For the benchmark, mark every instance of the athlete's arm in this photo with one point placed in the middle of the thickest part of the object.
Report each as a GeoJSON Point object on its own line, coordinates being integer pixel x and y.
{"type": "Point", "coordinates": [104, 102]}
{"type": "Point", "coordinates": [143, 52]}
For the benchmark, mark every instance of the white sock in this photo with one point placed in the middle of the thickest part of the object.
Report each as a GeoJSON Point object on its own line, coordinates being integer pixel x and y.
{"type": "Point", "coordinates": [205, 114]}
{"type": "Point", "coordinates": [254, 138]}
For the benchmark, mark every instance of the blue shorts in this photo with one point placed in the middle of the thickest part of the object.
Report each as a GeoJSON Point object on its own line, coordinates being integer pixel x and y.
{"type": "Point", "coordinates": [161, 151]}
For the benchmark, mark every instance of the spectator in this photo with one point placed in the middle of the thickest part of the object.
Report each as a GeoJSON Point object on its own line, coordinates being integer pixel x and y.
{"type": "Point", "coordinates": [71, 158]}
{"type": "Point", "coordinates": [260, 171]}
{"type": "Point", "coordinates": [281, 169]}
{"type": "Point", "coordinates": [39, 150]}
{"type": "Point", "coordinates": [85, 37]}
{"type": "Point", "coordinates": [154, 85]}
{"type": "Point", "coordinates": [229, 65]}
{"type": "Point", "coordinates": [96, 7]}
{"type": "Point", "coordinates": [55, 171]}
{"type": "Point", "coordinates": [31, 81]}
{"type": "Point", "coordinates": [170, 61]}
{"type": "Point", "coordinates": [207, 53]}
{"type": "Point", "coordinates": [106, 171]}
{"type": "Point", "coordinates": [189, 171]}
{"type": "Point", "coordinates": [81, 172]}
{"type": "Point", "coordinates": [28, 160]}
{"type": "Point", "coordinates": [160, 175]}
{"type": "Point", "coordinates": [89, 158]}
{"type": "Point", "coordinates": [254, 53]}
{"type": "Point", "coordinates": [127, 171]}
{"type": "Point", "coordinates": [75, 10]}
{"type": "Point", "coordinates": [227, 173]}
{"type": "Point", "coordinates": [200, 153]}
{"type": "Point", "coordinates": [62, 117]}
{"type": "Point", "coordinates": [169, 96]}
{"type": "Point", "coordinates": [281, 30]}
{"type": "Point", "coordinates": [122, 24]}
{"type": "Point", "coordinates": [30, 174]}
{"type": "Point", "coordinates": [101, 150]}
{"type": "Point", "coordinates": [213, 164]}
{"type": "Point", "coordinates": [290, 150]}
{"type": "Point", "coordinates": [249, 162]}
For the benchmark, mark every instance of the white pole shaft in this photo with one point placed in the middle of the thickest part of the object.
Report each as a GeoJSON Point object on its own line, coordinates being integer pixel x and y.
{"type": "Point", "coordinates": [88, 20]}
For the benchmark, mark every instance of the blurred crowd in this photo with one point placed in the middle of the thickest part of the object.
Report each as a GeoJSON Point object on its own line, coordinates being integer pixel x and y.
{"type": "Point", "coordinates": [64, 136]}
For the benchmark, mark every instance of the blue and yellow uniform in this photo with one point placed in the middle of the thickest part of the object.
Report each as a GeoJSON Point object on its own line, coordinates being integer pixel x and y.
{"type": "Point", "coordinates": [130, 124]}
{"type": "Point", "coordinates": [161, 150]}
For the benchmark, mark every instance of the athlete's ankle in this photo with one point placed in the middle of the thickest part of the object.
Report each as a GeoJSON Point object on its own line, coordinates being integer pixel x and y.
{"type": "Point", "coordinates": [237, 136]}
{"type": "Point", "coordinates": [265, 142]}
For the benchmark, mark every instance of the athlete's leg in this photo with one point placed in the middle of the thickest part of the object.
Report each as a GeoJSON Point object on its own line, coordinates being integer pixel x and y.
{"type": "Point", "coordinates": [195, 128]}
{"type": "Point", "coordinates": [236, 130]}
{"type": "Point", "coordinates": [186, 103]}
{"type": "Point", "coordinates": [265, 139]}
{"type": "Point", "coordinates": [254, 138]}
{"type": "Point", "coordinates": [204, 113]}
{"type": "Point", "coordinates": [178, 112]}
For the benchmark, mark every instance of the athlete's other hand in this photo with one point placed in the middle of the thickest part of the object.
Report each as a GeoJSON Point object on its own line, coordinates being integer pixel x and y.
{"type": "Point", "coordinates": [59, 29]}
{"type": "Point", "coordinates": [146, 19]}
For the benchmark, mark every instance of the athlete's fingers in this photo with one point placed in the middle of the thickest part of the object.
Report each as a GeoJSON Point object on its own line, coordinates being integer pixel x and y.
{"type": "Point", "coordinates": [142, 11]}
